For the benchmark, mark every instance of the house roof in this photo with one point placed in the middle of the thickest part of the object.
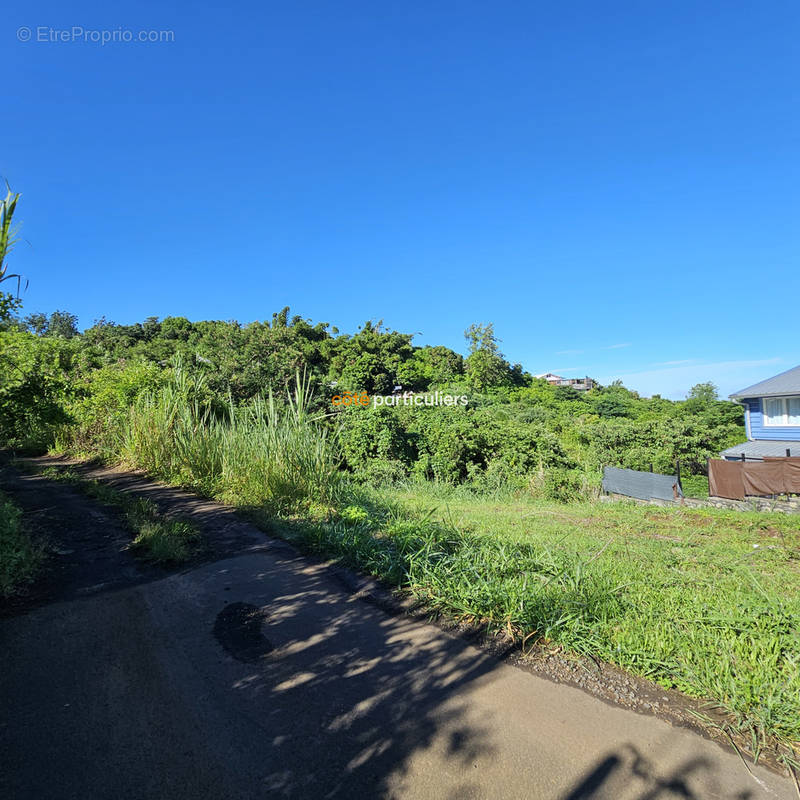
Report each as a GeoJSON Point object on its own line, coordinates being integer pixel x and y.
{"type": "Point", "coordinates": [786, 383]}
{"type": "Point", "coordinates": [761, 448]}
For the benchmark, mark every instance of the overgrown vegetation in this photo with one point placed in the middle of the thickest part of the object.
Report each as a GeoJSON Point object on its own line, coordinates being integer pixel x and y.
{"type": "Point", "coordinates": [485, 511]}
{"type": "Point", "coordinates": [159, 538]}
{"type": "Point", "coordinates": [19, 556]}
{"type": "Point", "coordinates": [264, 453]}
{"type": "Point", "coordinates": [74, 390]}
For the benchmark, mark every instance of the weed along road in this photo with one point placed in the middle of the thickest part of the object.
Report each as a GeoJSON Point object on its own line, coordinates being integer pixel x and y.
{"type": "Point", "coordinates": [261, 673]}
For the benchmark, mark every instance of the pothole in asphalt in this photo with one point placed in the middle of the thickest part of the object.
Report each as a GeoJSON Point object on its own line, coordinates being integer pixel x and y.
{"type": "Point", "coordinates": [238, 629]}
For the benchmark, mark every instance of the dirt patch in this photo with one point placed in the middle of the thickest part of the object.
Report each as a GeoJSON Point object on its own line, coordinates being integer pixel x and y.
{"type": "Point", "coordinates": [85, 544]}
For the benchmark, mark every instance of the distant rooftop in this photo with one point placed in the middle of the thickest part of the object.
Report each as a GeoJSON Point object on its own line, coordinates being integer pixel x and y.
{"type": "Point", "coordinates": [786, 383]}
{"type": "Point", "coordinates": [582, 384]}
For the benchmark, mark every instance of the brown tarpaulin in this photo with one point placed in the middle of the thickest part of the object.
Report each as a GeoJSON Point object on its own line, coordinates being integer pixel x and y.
{"type": "Point", "coordinates": [725, 479]}
{"type": "Point", "coordinates": [763, 479]}
{"type": "Point", "coordinates": [736, 479]}
{"type": "Point", "coordinates": [791, 472]}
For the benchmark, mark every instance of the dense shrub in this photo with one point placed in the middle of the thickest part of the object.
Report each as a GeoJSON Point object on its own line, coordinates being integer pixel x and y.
{"type": "Point", "coordinates": [37, 383]}
{"type": "Point", "coordinates": [75, 390]}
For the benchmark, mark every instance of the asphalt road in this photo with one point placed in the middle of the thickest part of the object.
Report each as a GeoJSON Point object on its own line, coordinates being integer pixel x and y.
{"type": "Point", "coordinates": [261, 675]}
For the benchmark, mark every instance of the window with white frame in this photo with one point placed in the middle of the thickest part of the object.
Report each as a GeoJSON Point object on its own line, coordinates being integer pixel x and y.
{"type": "Point", "coordinates": [782, 411]}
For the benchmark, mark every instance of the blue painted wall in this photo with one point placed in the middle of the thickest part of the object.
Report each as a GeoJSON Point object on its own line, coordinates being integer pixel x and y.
{"type": "Point", "coordinates": [760, 431]}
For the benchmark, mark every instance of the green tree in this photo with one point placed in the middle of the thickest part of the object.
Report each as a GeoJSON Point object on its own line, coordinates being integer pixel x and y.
{"type": "Point", "coordinates": [62, 324]}
{"type": "Point", "coordinates": [36, 323]}
{"type": "Point", "coordinates": [704, 393]}
{"type": "Point", "coordinates": [371, 360]}
{"type": "Point", "coordinates": [59, 323]}
{"type": "Point", "coordinates": [485, 366]}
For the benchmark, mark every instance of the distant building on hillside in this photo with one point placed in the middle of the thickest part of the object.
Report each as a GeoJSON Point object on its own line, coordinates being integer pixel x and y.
{"type": "Point", "coordinates": [581, 384]}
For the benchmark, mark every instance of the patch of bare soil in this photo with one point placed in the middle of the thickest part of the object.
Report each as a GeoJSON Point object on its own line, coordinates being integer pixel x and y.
{"type": "Point", "coordinates": [85, 544]}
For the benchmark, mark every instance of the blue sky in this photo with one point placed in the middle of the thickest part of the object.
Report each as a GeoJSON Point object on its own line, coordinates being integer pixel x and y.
{"type": "Point", "coordinates": [614, 185]}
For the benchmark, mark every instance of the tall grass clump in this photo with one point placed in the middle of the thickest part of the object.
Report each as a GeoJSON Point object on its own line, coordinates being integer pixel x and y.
{"type": "Point", "coordinates": [277, 456]}
{"type": "Point", "coordinates": [19, 556]}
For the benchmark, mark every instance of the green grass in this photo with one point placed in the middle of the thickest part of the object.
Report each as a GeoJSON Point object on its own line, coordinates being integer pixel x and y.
{"type": "Point", "coordinates": [19, 556]}
{"type": "Point", "coordinates": [704, 601]}
{"type": "Point", "coordinates": [161, 539]}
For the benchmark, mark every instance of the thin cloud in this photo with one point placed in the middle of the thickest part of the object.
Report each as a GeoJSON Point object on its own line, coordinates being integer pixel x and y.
{"type": "Point", "coordinates": [675, 363]}
{"type": "Point", "coordinates": [676, 380]}
{"type": "Point", "coordinates": [617, 346]}
{"type": "Point", "coordinates": [569, 352]}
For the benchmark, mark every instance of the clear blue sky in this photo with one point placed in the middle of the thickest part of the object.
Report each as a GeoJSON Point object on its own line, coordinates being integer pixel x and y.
{"type": "Point", "coordinates": [614, 185]}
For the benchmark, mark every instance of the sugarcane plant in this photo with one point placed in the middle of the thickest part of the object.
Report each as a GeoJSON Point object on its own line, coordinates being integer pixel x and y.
{"type": "Point", "coordinates": [8, 235]}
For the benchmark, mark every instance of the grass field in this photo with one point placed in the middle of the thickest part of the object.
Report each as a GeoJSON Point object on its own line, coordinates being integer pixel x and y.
{"type": "Point", "coordinates": [704, 601]}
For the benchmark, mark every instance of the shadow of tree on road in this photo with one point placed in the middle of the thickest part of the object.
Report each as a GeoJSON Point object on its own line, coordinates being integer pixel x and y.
{"type": "Point", "coordinates": [627, 775]}
{"type": "Point", "coordinates": [349, 695]}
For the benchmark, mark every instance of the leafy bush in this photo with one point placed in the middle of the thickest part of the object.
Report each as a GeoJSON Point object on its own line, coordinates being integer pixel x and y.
{"type": "Point", "coordinates": [37, 384]}
{"type": "Point", "coordinates": [103, 404]}
{"type": "Point", "coordinates": [562, 485]}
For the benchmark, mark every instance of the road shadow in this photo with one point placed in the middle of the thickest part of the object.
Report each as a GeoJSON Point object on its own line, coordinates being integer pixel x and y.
{"type": "Point", "coordinates": [626, 774]}
{"type": "Point", "coordinates": [348, 695]}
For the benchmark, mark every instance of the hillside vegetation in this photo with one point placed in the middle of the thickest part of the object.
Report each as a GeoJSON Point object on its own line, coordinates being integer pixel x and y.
{"type": "Point", "coordinates": [76, 390]}
{"type": "Point", "coordinates": [486, 511]}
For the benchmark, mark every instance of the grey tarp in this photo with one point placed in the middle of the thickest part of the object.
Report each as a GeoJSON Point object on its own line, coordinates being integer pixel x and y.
{"type": "Point", "coordinates": [642, 485]}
